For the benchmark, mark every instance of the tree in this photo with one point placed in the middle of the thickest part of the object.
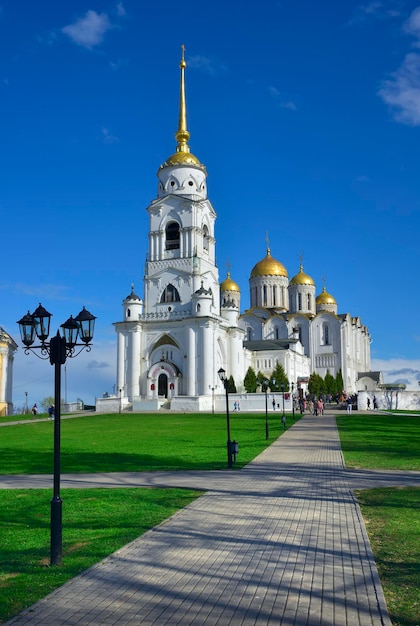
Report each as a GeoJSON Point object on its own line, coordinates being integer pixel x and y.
{"type": "Point", "coordinates": [330, 383]}
{"type": "Point", "coordinates": [316, 385]}
{"type": "Point", "coordinates": [279, 378]}
{"type": "Point", "coordinates": [231, 385]}
{"type": "Point", "coordinates": [46, 403]}
{"type": "Point", "coordinates": [250, 381]}
{"type": "Point", "coordinates": [339, 382]}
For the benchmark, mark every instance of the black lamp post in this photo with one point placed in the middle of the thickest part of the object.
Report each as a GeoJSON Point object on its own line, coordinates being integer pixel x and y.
{"type": "Point", "coordinates": [282, 393]}
{"type": "Point", "coordinates": [265, 387]}
{"type": "Point", "coordinates": [225, 382]}
{"type": "Point", "coordinates": [37, 325]}
{"type": "Point", "coordinates": [293, 401]}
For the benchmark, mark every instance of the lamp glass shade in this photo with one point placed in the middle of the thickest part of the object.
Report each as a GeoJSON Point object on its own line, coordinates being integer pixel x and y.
{"type": "Point", "coordinates": [222, 374]}
{"type": "Point", "coordinates": [86, 323]}
{"type": "Point", "coordinates": [27, 329]}
{"type": "Point", "coordinates": [70, 331]}
{"type": "Point", "coordinates": [42, 321]}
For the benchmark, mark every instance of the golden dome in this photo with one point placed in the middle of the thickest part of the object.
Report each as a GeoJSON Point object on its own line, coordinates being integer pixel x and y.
{"type": "Point", "coordinates": [183, 158]}
{"type": "Point", "coordinates": [325, 298]}
{"type": "Point", "coordinates": [269, 267]}
{"type": "Point", "coordinates": [228, 284]}
{"type": "Point", "coordinates": [302, 278]}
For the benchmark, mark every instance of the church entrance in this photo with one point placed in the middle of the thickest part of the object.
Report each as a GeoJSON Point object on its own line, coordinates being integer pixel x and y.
{"type": "Point", "coordinates": [163, 385]}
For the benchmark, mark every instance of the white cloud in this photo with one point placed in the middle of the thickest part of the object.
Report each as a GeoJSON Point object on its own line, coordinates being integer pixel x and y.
{"type": "Point", "coordinates": [88, 31]}
{"type": "Point", "coordinates": [206, 65]}
{"type": "Point", "coordinates": [377, 9]}
{"type": "Point", "coordinates": [108, 138]}
{"type": "Point", "coordinates": [399, 371]}
{"type": "Point", "coordinates": [283, 101]}
{"type": "Point", "coordinates": [121, 10]}
{"type": "Point", "coordinates": [412, 25]}
{"type": "Point", "coordinates": [401, 92]}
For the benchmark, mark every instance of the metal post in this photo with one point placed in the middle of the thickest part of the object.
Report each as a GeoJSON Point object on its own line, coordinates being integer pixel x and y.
{"type": "Point", "coordinates": [293, 401]}
{"type": "Point", "coordinates": [229, 443]}
{"type": "Point", "coordinates": [266, 413]}
{"type": "Point", "coordinates": [56, 553]}
{"type": "Point", "coordinates": [282, 388]}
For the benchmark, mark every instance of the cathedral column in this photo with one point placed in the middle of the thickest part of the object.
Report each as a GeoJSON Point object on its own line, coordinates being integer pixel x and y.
{"type": "Point", "coordinates": [206, 362]}
{"type": "Point", "coordinates": [191, 371]}
{"type": "Point", "coordinates": [120, 361]}
{"type": "Point", "coordinates": [133, 375]}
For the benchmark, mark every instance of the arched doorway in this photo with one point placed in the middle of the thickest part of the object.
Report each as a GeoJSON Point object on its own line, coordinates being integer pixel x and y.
{"type": "Point", "coordinates": [163, 385]}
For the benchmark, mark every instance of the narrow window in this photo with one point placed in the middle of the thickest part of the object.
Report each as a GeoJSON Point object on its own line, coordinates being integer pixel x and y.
{"type": "Point", "coordinates": [170, 294]}
{"type": "Point", "coordinates": [205, 238]}
{"type": "Point", "coordinates": [299, 301]}
{"type": "Point", "coordinates": [325, 335]}
{"type": "Point", "coordinates": [172, 236]}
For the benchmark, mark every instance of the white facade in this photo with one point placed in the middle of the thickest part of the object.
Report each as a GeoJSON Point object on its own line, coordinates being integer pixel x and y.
{"type": "Point", "coordinates": [8, 348]}
{"type": "Point", "coordinates": [172, 344]}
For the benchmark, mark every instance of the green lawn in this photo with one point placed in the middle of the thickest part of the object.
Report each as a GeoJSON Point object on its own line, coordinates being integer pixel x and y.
{"type": "Point", "coordinates": [392, 516]}
{"type": "Point", "coordinates": [380, 441]}
{"type": "Point", "coordinates": [96, 522]}
{"type": "Point", "coordinates": [165, 441]}
{"type": "Point", "coordinates": [130, 443]}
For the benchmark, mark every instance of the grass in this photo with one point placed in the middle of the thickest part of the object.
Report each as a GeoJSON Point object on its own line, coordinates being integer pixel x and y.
{"type": "Point", "coordinates": [392, 518]}
{"type": "Point", "coordinates": [380, 441]}
{"type": "Point", "coordinates": [127, 443]}
{"type": "Point", "coordinates": [96, 523]}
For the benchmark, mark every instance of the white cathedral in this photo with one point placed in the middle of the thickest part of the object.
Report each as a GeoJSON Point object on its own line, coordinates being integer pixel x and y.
{"type": "Point", "coordinates": [172, 343]}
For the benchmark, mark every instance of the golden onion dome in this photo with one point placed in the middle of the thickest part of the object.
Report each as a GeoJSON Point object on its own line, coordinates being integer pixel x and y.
{"type": "Point", "coordinates": [302, 278]}
{"type": "Point", "coordinates": [269, 267]}
{"type": "Point", "coordinates": [228, 284]}
{"type": "Point", "coordinates": [183, 158]}
{"type": "Point", "coordinates": [325, 298]}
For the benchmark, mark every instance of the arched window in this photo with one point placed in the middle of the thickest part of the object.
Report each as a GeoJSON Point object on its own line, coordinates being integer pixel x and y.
{"type": "Point", "coordinates": [299, 301]}
{"type": "Point", "coordinates": [170, 294]}
{"type": "Point", "coordinates": [249, 333]}
{"type": "Point", "coordinates": [276, 332]}
{"type": "Point", "coordinates": [309, 301]}
{"type": "Point", "coordinates": [172, 236]}
{"type": "Point", "coordinates": [205, 238]}
{"type": "Point", "coordinates": [274, 295]}
{"type": "Point", "coordinates": [128, 313]}
{"type": "Point", "coordinates": [300, 334]}
{"type": "Point", "coordinates": [325, 334]}
{"type": "Point", "coordinates": [264, 295]}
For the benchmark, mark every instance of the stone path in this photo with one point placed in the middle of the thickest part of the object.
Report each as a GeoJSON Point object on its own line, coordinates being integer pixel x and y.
{"type": "Point", "coordinates": [279, 542]}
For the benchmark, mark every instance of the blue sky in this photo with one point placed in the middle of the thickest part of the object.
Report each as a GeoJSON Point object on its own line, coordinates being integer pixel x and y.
{"type": "Point", "coordinates": [307, 116]}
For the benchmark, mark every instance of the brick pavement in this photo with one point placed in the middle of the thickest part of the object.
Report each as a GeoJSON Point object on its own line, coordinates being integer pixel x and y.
{"type": "Point", "coordinates": [279, 542]}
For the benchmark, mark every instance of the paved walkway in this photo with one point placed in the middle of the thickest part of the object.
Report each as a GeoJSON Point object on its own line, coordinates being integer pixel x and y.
{"type": "Point", "coordinates": [279, 542]}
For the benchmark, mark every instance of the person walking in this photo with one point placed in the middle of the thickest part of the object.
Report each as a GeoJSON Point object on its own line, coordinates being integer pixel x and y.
{"type": "Point", "coordinates": [51, 411]}
{"type": "Point", "coordinates": [375, 403]}
{"type": "Point", "coordinates": [349, 402]}
{"type": "Point", "coordinates": [34, 411]}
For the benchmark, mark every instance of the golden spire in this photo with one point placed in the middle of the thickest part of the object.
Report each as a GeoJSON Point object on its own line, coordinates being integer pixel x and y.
{"type": "Point", "coordinates": [182, 135]}
{"type": "Point", "coordinates": [183, 156]}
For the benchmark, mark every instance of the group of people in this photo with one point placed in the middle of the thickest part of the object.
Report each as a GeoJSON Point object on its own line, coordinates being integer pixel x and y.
{"type": "Point", "coordinates": [375, 403]}
{"type": "Point", "coordinates": [51, 411]}
{"type": "Point", "coordinates": [236, 406]}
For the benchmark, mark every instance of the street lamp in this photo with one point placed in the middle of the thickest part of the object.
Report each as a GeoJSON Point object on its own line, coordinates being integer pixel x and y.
{"type": "Point", "coordinates": [26, 403]}
{"type": "Point", "coordinates": [293, 401]}
{"type": "Point", "coordinates": [225, 382]}
{"type": "Point", "coordinates": [37, 326]}
{"type": "Point", "coordinates": [282, 391]}
{"type": "Point", "coordinates": [265, 387]}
